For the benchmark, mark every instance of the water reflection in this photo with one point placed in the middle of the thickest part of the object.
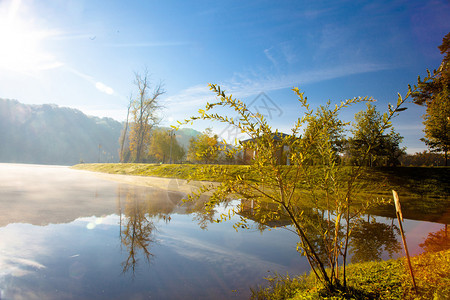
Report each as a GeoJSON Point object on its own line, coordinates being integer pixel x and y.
{"type": "Point", "coordinates": [437, 241]}
{"type": "Point", "coordinates": [139, 208]}
{"type": "Point", "coordinates": [136, 233]}
{"type": "Point", "coordinates": [370, 238]}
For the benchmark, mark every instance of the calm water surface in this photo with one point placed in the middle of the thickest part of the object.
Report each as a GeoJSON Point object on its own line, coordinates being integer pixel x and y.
{"type": "Point", "coordinates": [68, 234]}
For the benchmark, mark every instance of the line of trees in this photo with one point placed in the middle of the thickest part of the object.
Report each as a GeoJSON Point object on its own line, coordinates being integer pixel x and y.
{"type": "Point", "coordinates": [382, 149]}
{"type": "Point", "coordinates": [385, 151]}
{"type": "Point", "coordinates": [423, 159]}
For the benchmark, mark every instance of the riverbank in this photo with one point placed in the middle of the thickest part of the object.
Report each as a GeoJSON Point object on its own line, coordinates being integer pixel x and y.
{"type": "Point", "coordinates": [423, 191]}
{"type": "Point", "coordinates": [412, 181]}
{"type": "Point", "coordinates": [373, 280]}
{"type": "Point", "coordinates": [154, 181]}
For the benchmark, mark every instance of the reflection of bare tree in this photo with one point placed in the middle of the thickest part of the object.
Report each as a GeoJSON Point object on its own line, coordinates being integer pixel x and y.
{"type": "Point", "coordinates": [370, 238]}
{"type": "Point", "coordinates": [437, 241]}
{"type": "Point", "coordinates": [136, 234]}
{"type": "Point", "coordinates": [137, 213]}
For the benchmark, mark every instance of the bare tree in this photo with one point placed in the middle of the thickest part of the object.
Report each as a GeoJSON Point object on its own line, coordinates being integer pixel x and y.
{"type": "Point", "coordinates": [144, 110]}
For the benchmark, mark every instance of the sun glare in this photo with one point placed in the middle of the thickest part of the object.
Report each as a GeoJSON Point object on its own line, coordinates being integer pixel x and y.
{"type": "Point", "coordinates": [22, 43]}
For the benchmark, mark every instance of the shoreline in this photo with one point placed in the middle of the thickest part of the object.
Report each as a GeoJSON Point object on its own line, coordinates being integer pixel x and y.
{"type": "Point", "coordinates": [163, 183]}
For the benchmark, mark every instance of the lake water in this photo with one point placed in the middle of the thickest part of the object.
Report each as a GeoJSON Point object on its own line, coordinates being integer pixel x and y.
{"type": "Point", "coordinates": [68, 234]}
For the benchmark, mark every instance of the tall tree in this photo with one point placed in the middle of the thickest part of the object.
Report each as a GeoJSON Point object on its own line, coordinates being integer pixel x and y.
{"type": "Point", "coordinates": [430, 87]}
{"type": "Point", "coordinates": [437, 125]}
{"type": "Point", "coordinates": [369, 136]}
{"type": "Point", "coordinates": [164, 146]}
{"type": "Point", "coordinates": [393, 152]}
{"type": "Point", "coordinates": [144, 110]}
{"type": "Point", "coordinates": [434, 94]}
{"type": "Point", "coordinates": [204, 148]}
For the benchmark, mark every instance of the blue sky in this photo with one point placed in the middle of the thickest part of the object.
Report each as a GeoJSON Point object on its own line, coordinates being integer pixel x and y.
{"type": "Point", "coordinates": [83, 54]}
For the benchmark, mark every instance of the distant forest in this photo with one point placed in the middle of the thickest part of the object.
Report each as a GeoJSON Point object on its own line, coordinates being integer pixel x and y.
{"type": "Point", "coordinates": [49, 134]}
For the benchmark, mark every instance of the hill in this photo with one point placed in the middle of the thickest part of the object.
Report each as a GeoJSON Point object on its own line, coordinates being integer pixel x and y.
{"type": "Point", "coordinates": [49, 134]}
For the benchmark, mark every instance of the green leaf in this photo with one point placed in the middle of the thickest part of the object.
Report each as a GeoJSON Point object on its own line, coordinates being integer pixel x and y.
{"type": "Point", "coordinates": [400, 100]}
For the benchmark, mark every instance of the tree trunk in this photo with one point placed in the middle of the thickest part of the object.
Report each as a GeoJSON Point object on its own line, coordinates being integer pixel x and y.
{"type": "Point", "coordinates": [122, 142]}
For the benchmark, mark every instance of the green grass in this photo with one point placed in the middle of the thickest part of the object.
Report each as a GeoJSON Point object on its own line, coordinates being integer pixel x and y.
{"type": "Point", "coordinates": [408, 181]}
{"type": "Point", "coordinates": [181, 171]}
{"type": "Point", "coordinates": [371, 280]}
{"type": "Point", "coordinates": [159, 170]}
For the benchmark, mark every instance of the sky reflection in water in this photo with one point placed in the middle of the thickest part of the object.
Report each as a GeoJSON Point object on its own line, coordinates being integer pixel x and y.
{"type": "Point", "coordinates": [95, 235]}
{"type": "Point", "coordinates": [187, 262]}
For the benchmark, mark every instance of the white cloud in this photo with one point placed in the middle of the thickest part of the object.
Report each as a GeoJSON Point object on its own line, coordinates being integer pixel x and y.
{"type": "Point", "coordinates": [112, 220]}
{"type": "Point", "coordinates": [104, 88]}
{"type": "Point", "coordinates": [247, 86]}
{"type": "Point", "coordinates": [195, 249]}
{"type": "Point", "coordinates": [193, 93]}
{"type": "Point", "coordinates": [282, 55]}
{"type": "Point", "coordinates": [270, 56]}
{"type": "Point", "coordinates": [98, 85]}
{"type": "Point", "coordinates": [188, 101]}
{"type": "Point", "coordinates": [289, 53]}
{"type": "Point", "coordinates": [192, 97]}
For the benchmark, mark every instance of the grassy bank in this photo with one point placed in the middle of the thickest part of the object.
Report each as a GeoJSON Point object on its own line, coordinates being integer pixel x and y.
{"type": "Point", "coordinates": [412, 181]}
{"type": "Point", "coordinates": [423, 191]}
{"type": "Point", "coordinates": [372, 280]}
{"type": "Point", "coordinates": [169, 171]}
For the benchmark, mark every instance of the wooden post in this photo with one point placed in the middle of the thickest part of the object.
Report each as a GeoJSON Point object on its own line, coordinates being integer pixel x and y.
{"type": "Point", "coordinates": [398, 211]}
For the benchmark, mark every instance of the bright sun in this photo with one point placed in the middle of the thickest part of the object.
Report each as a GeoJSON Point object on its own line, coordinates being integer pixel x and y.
{"type": "Point", "coordinates": [22, 43]}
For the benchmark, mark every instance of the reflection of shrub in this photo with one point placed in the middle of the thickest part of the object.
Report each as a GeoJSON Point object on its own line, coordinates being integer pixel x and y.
{"type": "Point", "coordinates": [370, 238]}
{"type": "Point", "coordinates": [437, 241]}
